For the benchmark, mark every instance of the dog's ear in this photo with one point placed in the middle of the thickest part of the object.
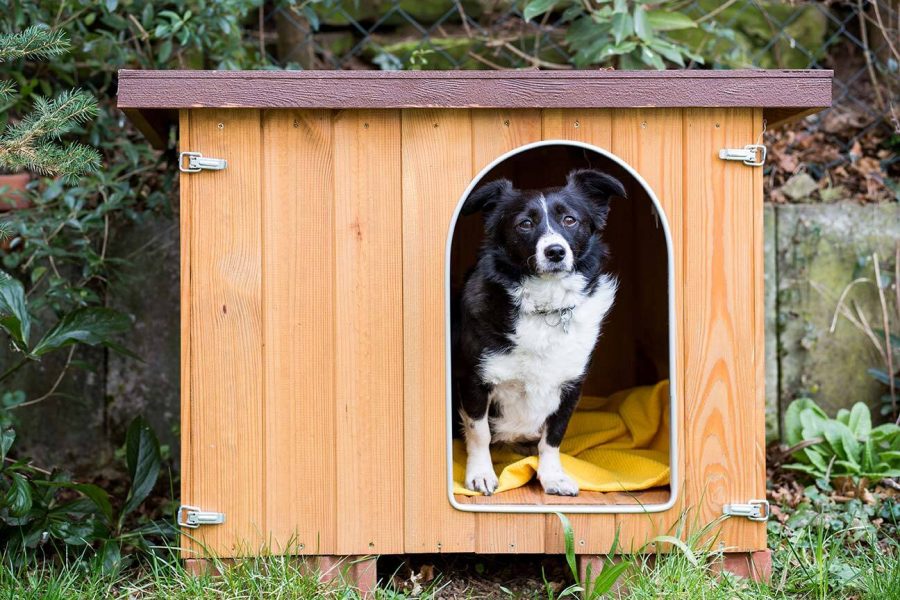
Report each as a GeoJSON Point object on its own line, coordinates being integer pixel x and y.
{"type": "Point", "coordinates": [486, 197]}
{"type": "Point", "coordinates": [599, 189]}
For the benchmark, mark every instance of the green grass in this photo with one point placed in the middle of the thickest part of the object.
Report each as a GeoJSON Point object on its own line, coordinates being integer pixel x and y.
{"type": "Point", "coordinates": [824, 570]}
{"type": "Point", "coordinates": [819, 559]}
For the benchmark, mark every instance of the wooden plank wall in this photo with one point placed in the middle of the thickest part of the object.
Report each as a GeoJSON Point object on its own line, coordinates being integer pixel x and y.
{"type": "Point", "coordinates": [313, 311]}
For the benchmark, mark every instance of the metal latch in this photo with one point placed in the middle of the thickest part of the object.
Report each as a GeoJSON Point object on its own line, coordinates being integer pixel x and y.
{"type": "Point", "coordinates": [755, 510]}
{"type": "Point", "coordinates": [192, 517]}
{"type": "Point", "coordinates": [752, 155]}
{"type": "Point", "coordinates": [196, 162]}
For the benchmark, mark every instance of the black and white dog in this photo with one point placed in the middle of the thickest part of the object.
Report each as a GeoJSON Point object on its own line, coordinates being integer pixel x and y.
{"type": "Point", "coordinates": [529, 319]}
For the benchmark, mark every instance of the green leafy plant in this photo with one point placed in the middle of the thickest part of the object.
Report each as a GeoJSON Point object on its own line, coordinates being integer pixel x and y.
{"type": "Point", "coordinates": [631, 32]}
{"type": "Point", "coordinates": [31, 143]}
{"type": "Point", "coordinates": [89, 325]}
{"type": "Point", "coordinates": [38, 507]}
{"type": "Point", "coordinates": [588, 587]}
{"type": "Point", "coordinates": [846, 446]}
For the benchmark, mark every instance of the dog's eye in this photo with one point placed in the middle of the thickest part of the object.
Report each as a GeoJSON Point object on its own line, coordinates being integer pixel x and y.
{"type": "Point", "coordinates": [525, 225]}
{"type": "Point", "coordinates": [569, 221]}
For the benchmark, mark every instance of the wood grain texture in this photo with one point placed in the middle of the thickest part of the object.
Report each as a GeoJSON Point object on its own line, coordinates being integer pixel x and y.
{"type": "Point", "coordinates": [369, 332]}
{"type": "Point", "coordinates": [226, 424]}
{"type": "Point", "coordinates": [594, 533]}
{"type": "Point", "coordinates": [783, 93]}
{"type": "Point", "coordinates": [298, 318]}
{"type": "Point", "coordinates": [495, 132]}
{"type": "Point", "coordinates": [722, 295]}
{"type": "Point", "coordinates": [437, 146]}
{"type": "Point", "coordinates": [473, 89]}
{"type": "Point", "coordinates": [649, 140]}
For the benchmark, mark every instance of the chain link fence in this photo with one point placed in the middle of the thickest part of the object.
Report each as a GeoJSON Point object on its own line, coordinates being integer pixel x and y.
{"type": "Point", "coordinates": [855, 143]}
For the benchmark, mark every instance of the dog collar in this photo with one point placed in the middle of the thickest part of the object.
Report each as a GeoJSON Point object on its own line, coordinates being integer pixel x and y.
{"type": "Point", "coordinates": [558, 317]}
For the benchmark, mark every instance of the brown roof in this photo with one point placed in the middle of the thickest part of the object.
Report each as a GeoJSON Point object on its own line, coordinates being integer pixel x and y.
{"type": "Point", "coordinates": [151, 97]}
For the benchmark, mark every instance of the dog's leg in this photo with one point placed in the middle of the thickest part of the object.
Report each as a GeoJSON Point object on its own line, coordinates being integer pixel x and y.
{"type": "Point", "coordinates": [550, 471]}
{"type": "Point", "coordinates": [480, 475]}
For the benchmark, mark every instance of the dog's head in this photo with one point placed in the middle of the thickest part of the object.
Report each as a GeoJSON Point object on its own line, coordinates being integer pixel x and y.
{"type": "Point", "coordinates": [547, 231]}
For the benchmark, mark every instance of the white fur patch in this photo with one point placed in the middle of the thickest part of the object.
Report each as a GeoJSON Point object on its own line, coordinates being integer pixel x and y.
{"type": "Point", "coordinates": [549, 238]}
{"type": "Point", "coordinates": [527, 380]}
{"type": "Point", "coordinates": [550, 472]}
{"type": "Point", "coordinates": [480, 475]}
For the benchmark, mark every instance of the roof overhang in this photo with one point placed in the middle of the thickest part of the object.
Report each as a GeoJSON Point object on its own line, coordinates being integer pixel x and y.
{"type": "Point", "coordinates": [152, 99]}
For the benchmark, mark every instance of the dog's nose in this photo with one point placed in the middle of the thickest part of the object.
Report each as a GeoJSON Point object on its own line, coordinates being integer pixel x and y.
{"type": "Point", "coordinates": [555, 253]}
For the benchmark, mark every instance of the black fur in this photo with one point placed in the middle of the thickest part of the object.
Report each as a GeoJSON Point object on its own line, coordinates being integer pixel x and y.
{"type": "Point", "coordinates": [487, 314]}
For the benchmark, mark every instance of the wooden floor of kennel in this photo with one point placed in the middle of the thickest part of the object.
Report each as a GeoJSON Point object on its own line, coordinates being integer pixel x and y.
{"type": "Point", "coordinates": [313, 355]}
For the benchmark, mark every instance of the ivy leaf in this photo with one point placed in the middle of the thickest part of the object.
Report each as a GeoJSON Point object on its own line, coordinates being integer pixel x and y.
{"type": "Point", "coordinates": [664, 20]}
{"type": "Point", "coordinates": [14, 318]}
{"type": "Point", "coordinates": [144, 462]}
{"type": "Point", "coordinates": [92, 326]}
{"type": "Point", "coordinates": [537, 7]}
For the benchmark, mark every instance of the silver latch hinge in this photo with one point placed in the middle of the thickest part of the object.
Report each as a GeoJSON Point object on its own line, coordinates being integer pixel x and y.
{"type": "Point", "coordinates": [194, 162]}
{"type": "Point", "coordinates": [192, 517]}
{"type": "Point", "coordinates": [755, 510]}
{"type": "Point", "coordinates": [752, 155]}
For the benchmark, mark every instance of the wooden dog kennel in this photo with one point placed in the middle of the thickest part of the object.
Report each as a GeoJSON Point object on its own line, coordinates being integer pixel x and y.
{"type": "Point", "coordinates": [315, 222]}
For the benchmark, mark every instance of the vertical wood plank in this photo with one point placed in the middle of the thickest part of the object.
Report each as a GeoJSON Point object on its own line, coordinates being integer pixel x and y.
{"type": "Point", "coordinates": [594, 534]}
{"type": "Point", "coordinates": [437, 146]}
{"type": "Point", "coordinates": [225, 376]}
{"type": "Point", "coordinates": [650, 140]}
{"type": "Point", "coordinates": [723, 412]}
{"type": "Point", "coordinates": [187, 194]}
{"type": "Point", "coordinates": [368, 331]}
{"type": "Point", "coordinates": [298, 317]}
{"type": "Point", "coordinates": [495, 132]}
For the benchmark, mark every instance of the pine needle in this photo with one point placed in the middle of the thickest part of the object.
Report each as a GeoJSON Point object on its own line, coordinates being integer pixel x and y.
{"type": "Point", "coordinates": [34, 42]}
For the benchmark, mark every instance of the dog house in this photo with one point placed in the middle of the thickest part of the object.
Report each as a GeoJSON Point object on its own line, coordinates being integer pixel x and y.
{"type": "Point", "coordinates": [322, 246]}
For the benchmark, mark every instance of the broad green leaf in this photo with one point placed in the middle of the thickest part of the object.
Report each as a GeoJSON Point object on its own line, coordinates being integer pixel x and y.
{"type": "Point", "coordinates": [18, 497]}
{"type": "Point", "coordinates": [90, 326]}
{"type": "Point", "coordinates": [144, 462]}
{"type": "Point", "coordinates": [843, 415]}
{"type": "Point", "coordinates": [622, 26]}
{"type": "Point", "coordinates": [792, 422]}
{"type": "Point", "coordinates": [669, 51]}
{"type": "Point", "coordinates": [537, 7]}
{"type": "Point", "coordinates": [110, 557]}
{"type": "Point", "coordinates": [98, 497]}
{"type": "Point", "coordinates": [14, 318]}
{"type": "Point", "coordinates": [641, 26]}
{"type": "Point", "coordinates": [883, 377]}
{"type": "Point", "coordinates": [860, 422]}
{"type": "Point", "coordinates": [7, 437]}
{"type": "Point", "coordinates": [652, 59]}
{"type": "Point", "coordinates": [664, 20]}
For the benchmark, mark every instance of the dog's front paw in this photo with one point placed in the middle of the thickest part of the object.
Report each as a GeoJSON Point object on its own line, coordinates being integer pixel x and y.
{"type": "Point", "coordinates": [558, 483]}
{"type": "Point", "coordinates": [482, 479]}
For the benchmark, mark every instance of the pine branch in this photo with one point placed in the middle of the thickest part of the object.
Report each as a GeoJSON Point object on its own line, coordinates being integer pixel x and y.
{"type": "Point", "coordinates": [7, 88]}
{"type": "Point", "coordinates": [34, 42]}
{"type": "Point", "coordinates": [29, 144]}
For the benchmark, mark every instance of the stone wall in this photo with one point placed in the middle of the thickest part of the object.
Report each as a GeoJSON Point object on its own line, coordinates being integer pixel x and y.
{"type": "Point", "coordinates": [812, 252]}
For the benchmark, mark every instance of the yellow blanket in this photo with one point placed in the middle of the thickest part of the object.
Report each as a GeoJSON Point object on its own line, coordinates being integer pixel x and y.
{"type": "Point", "coordinates": [619, 443]}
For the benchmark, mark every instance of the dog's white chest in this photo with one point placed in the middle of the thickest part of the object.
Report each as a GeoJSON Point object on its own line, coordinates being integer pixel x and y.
{"type": "Point", "coordinates": [546, 352]}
